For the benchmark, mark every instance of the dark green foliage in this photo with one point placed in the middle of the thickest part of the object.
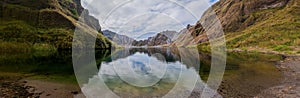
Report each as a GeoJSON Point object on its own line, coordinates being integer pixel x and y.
{"type": "Point", "coordinates": [18, 31]}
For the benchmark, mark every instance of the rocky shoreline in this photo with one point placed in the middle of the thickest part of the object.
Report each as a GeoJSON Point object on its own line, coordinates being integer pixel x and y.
{"type": "Point", "coordinates": [290, 87]}
{"type": "Point", "coordinates": [12, 87]}
{"type": "Point", "coordinates": [17, 86]}
{"type": "Point", "coordinates": [52, 89]}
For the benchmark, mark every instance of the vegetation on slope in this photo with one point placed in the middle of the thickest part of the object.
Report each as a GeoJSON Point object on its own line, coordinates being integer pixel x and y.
{"type": "Point", "coordinates": [278, 30]}
{"type": "Point", "coordinates": [44, 24]}
{"type": "Point", "coordinates": [260, 25]}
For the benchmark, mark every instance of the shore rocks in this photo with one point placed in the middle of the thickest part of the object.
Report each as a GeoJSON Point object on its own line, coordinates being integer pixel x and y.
{"type": "Point", "coordinates": [290, 87]}
{"type": "Point", "coordinates": [9, 89]}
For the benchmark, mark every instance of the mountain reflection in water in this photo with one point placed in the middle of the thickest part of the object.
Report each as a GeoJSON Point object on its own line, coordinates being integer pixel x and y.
{"type": "Point", "coordinates": [151, 72]}
{"type": "Point", "coordinates": [173, 72]}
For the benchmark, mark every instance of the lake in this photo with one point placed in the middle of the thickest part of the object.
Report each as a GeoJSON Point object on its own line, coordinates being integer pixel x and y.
{"type": "Point", "coordinates": [147, 72]}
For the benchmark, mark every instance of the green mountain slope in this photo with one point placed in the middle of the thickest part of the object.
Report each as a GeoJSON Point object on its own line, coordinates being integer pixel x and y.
{"type": "Point", "coordinates": [276, 29]}
{"type": "Point", "coordinates": [44, 24]}
{"type": "Point", "coordinates": [258, 25]}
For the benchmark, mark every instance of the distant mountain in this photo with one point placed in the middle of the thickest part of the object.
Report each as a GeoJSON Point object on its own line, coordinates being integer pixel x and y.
{"type": "Point", "coordinates": [146, 36]}
{"type": "Point", "coordinates": [157, 40]}
{"type": "Point", "coordinates": [170, 34]}
{"type": "Point", "coordinates": [162, 38]}
{"type": "Point", "coordinates": [117, 38]}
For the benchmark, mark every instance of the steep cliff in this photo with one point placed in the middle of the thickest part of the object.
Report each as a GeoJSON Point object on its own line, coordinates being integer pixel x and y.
{"type": "Point", "coordinates": [236, 15]}
{"type": "Point", "coordinates": [45, 23]}
{"type": "Point", "coordinates": [268, 24]}
{"type": "Point", "coordinates": [117, 38]}
{"type": "Point", "coordinates": [162, 38]}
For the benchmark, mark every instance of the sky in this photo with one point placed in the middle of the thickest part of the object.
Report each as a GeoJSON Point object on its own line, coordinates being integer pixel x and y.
{"type": "Point", "coordinates": [136, 18]}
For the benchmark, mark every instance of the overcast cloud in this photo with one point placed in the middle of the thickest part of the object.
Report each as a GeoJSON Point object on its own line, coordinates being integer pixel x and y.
{"type": "Point", "coordinates": [138, 17]}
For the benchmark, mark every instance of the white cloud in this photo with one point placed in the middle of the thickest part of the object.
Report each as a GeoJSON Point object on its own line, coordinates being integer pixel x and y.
{"type": "Point", "coordinates": [137, 17]}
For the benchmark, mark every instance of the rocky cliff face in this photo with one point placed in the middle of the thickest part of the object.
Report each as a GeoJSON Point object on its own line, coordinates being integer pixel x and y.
{"type": "Point", "coordinates": [117, 38]}
{"type": "Point", "coordinates": [248, 23]}
{"type": "Point", "coordinates": [170, 34]}
{"type": "Point", "coordinates": [236, 15]}
{"type": "Point", "coordinates": [159, 39]}
{"type": "Point", "coordinates": [46, 21]}
{"type": "Point", "coordinates": [162, 38]}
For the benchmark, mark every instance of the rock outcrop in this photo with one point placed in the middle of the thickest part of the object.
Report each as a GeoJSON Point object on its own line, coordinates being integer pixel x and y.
{"type": "Point", "coordinates": [236, 15]}
{"type": "Point", "coordinates": [162, 38]}
{"type": "Point", "coordinates": [247, 23]}
{"type": "Point", "coordinates": [117, 38]}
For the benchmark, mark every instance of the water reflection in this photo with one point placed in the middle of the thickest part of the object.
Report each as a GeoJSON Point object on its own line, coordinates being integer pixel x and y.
{"type": "Point", "coordinates": [153, 72]}
{"type": "Point", "coordinates": [168, 72]}
{"type": "Point", "coordinates": [246, 74]}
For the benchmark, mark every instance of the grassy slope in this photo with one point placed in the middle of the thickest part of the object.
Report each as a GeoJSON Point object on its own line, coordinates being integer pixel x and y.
{"type": "Point", "coordinates": [274, 30]}
{"type": "Point", "coordinates": [279, 31]}
{"type": "Point", "coordinates": [43, 24]}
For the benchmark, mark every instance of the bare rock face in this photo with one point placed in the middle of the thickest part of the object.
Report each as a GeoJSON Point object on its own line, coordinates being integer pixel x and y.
{"type": "Point", "coordinates": [170, 34]}
{"type": "Point", "coordinates": [159, 39]}
{"type": "Point", "coordinates": [117, 38]}
{"type": "Point", "coordinates": [163, 38]}
{"type": "Point", "coordinates": [234, 15]}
